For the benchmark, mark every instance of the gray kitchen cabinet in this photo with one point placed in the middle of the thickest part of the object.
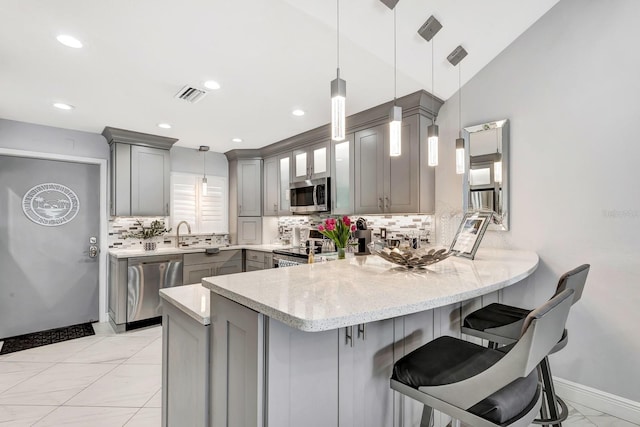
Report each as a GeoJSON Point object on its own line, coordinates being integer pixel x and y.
{"type": "Point", "coordinates": [185, 369]}
{"type": "Point", "coordinates": [257, 260]}
{"type": "Point", "coordinates": [249, 230]}
{"type": "Point", "coordinates": [200, 265]}
{"type": "Point", "coordinates": [271, 187]}
{"type": "Point", "coordinates": [385, 184]}
{"type": "Point", "coordinates": [366, 357]}
{"type": "Point", "coordinates": [342, 176]}
{"type": "Point", "coordinates": [249, 187]}
{"type": "Point", "coordinates": [139, 173]}
{"type": "Point", "coordinates": [284, 179]}
{"type": "Point", "coordinates": [236, 381]}
{"type": "Point", "coordinates": [292, 356]}
{"type": "Point", "coordinates": [312, 162]}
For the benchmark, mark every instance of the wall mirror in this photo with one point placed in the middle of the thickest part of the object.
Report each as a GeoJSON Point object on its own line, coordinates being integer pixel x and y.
{"type": "Point", "coordinates": [486, 177]}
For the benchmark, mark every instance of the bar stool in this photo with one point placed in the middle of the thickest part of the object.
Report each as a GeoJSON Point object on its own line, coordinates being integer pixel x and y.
{"type": "Point", "coordinates": [500, 324]}
{"type": "Point", "coordinates": [480, 386]}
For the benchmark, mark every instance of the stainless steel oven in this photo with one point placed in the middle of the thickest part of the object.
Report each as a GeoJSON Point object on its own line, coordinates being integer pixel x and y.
{"type": "Point", "coordinates": [310, 196]}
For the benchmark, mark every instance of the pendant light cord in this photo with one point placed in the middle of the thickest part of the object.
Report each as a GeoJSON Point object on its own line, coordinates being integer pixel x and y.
{"type": "Point", "coordinates": [338, 35]}
{"type": "Point", "coordinates": [204, 164]}
{"type": "Point", "coordinates": [433, 91]}
{"type": "Point", "coordinates": [395, 59]}
{"type": "Point", "coordinates": [460, 98]}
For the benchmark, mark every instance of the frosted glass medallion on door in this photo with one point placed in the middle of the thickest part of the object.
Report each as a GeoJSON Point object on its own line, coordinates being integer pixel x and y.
{"type": "Point", "coordinates": [301, 165]}
{"type": "Point", "coordinates": [320, 160]}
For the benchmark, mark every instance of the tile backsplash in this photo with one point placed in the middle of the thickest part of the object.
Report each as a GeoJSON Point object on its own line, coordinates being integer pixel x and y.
{"type": "Point", "coordinates": [119, 227]}
{"type": "Point", "coordinates": [398, 226]}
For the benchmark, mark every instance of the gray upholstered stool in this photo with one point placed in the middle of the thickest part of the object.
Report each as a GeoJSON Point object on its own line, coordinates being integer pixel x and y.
{"type": "Point", "coordinates": [501, 324]}
{"type": "Point", "coordinates": [482, 386]}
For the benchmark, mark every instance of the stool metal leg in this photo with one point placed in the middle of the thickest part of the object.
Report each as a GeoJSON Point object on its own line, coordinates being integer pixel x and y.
{"type": "Point", "coordinates": [427, 416]}
{"type": "Point", "coordinates": [557, 409]}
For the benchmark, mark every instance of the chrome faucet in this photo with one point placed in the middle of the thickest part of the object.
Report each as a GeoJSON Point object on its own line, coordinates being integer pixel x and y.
{"type": "Point", "coordinates": [178, 231]}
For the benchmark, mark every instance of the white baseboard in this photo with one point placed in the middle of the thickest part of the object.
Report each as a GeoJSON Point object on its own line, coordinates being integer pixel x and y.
{"type": "Point", "coordinates": [599, 400]}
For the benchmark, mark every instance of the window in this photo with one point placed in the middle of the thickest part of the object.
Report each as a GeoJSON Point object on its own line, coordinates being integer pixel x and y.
{"type": "Point", "coordinates": [205, 214]}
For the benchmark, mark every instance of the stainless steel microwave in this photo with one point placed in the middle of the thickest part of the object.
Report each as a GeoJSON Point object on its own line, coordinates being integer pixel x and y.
{"type": "Point", "coordinates": [310, 196]}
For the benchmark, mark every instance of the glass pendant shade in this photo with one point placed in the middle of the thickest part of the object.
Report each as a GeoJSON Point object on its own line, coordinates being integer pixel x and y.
{"type": "Point", "coordinates": [432, 145]}
{"type": "Point", "coordinates": [204, 185]}
{"type": "Point", "coordinates": [338, 113]}
{"type": "Point", "coordinates": [395, 131]}
{"type": "Point", "coordinates": [460, 156]}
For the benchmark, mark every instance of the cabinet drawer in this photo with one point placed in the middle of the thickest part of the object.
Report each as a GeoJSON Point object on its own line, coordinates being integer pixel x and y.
{"type": "Point", "coordinates": [255, 256]}
{"type": "Point", "coordinates": [204, 258]}
{"type": "Point", "coordinates": [253, 266]}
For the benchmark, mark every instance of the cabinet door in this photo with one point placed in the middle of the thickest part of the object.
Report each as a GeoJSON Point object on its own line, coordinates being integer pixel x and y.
{"type": "Point", "coordinates": [302, 377]}
{"type": "Point", "coordinates": [228, 267]}
{"type": "Point", "coordinates": [271, 187]}
{"type": "Point", "coordinates": [249, 231]}
{"type": "Point", "coordinates": [319, 160]}
{"type": "Point", "coordinates": [366, 400]}
{"type": "Point", "coordinates": [342, 176]}
{"type": "Point", "coordinates": [300, 166]}
{"type": "Point", "coordinates": [150, 171]}
{"type": "Point", "coordinates": [249, 188]}
{"type": "Point", "coordinates": [369, 188]}
{"type": "Point", "coordinates": [253, 266]}
{"type": "Point", "coordinates": [284, 177]}
{"type": "Point", "coordinates": [402, 173]}
{"type": "Point", "coordinates": [192, 274]}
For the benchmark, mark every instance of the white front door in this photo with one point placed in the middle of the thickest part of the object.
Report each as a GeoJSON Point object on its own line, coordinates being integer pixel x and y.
{"type": "Point", "coordinates": [49, 231]}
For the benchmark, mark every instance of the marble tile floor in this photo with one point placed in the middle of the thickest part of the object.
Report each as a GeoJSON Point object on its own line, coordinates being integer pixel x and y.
{"type": "Point", "coordinates": [114, 380]}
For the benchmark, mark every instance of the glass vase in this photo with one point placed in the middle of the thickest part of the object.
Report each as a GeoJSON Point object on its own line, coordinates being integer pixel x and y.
{"type": "Point", "coordinates": [341, 253]}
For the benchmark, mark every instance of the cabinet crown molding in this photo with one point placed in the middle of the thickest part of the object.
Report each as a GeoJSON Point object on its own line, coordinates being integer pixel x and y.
{"type": "Point", "coordinates": [124, 136]}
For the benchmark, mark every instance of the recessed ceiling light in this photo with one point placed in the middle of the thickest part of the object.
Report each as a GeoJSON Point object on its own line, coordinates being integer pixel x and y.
{"type": "Point", "coordinates": [213, 85]}
{"type": "Point", "coordinates": [298, 112]}
{"type": "Point", "coordinates": [63, 106]}
{"type": "Point", "coordinates": [236, 140]}
{"type": "Point", "coordinates": [164, 125]}
{"type": "Point", "coordinates": [69, 41]}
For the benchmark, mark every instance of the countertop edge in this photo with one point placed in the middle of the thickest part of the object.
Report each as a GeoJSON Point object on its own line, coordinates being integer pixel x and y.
{"type": "Point", "coordinates": [135, 253]}
{"type": "Point", "coordinates": [166, 295]}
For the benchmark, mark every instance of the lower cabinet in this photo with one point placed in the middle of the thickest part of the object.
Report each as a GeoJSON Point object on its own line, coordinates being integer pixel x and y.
{"type": "Point", "coordinates": [257, 260]}
{"type": "Point", "coordinates": [200, 265]}
{"type": "Point", "coordinates": [249, 230]}
{"type": "Point", "coordinates": [185, 370]}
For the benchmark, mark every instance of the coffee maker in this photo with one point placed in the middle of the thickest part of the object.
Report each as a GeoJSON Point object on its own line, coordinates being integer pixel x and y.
{"type": "Point", "coordinates": [364, 237]}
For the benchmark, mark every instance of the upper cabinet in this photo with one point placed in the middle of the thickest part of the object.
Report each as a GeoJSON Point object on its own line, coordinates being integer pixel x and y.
{"type": "Point", "coordinates": [342, 176]}
{"type": "Point", "coordinates": [276, 177]}
{"type": "Point", "coordinates": [284, 179]}
{"type": "Point", "coordinates": [311, 162]}
{"type": "Point", "coordinates": [249, 187]}
{"type": "Point", "coordinates": [385, 184]}
{"type": "Point", "coordinates": [140, 170]}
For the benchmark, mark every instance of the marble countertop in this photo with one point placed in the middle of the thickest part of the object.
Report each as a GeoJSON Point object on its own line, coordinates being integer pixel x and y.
{"type": "Point", "coordinates": [324, 296]}
{"type": "Point", "coordinates": [129, 253]}
{"type": "Point", "coordinates": [191, 299]}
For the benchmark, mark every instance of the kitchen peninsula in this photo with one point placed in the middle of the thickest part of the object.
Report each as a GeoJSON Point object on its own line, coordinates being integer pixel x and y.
{"type": "Point", "coordinates": [314, 345]}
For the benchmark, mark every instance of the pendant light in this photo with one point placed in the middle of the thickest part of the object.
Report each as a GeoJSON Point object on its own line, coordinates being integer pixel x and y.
{"type": "Point", "coordinates": [395, 115]}
{"type": "Point", "coordinates": [338, 93]}
{"type": "Point", "coordinates": [428, 30]}
{"type": "Point", "coordinates": [458, 54]}
{"type": "Point", "coordinates": [204, 149]}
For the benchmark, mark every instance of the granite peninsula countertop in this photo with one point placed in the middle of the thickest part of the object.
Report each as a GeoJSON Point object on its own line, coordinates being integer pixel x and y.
{"type": "Point", "coordinates": [130, 253]}
{"type": "Point", "coordinates": [324, 296]}
{"type": "Point", "coordinates": [192, 300]}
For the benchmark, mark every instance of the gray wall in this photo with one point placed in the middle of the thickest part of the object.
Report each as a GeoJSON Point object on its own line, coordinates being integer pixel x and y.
{"type": "Point", "coordinates": [47, 139]}
{"type": "Point", "coordinates": [570, 88]}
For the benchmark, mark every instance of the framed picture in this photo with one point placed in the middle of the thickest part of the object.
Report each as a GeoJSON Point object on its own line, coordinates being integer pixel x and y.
{"type": "Point", "coordinates": [470, 233]}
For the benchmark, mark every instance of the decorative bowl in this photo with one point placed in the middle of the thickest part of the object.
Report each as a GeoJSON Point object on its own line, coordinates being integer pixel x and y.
{"type": "Point", "coordinates": [408, 257]}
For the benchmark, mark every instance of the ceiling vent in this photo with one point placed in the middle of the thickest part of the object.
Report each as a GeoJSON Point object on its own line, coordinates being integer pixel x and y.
{"type": "Point", "coordinates": [190, 94]}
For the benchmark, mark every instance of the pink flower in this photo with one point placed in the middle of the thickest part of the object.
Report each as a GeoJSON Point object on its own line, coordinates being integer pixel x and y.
{"type": "Point", "coordinates": [346, 220]}
{"type": "Point", "coordinates": [331, 227]}
{"type": "Point", "coordinates": [353, 228]}
{"type": "Point", "coordinates": [331, 221]}
{"type": "Point", "coordinates": [320, 228]}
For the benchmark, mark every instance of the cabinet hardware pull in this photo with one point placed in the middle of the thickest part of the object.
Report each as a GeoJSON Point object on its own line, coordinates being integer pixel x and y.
{"type": "Point", "coordinates": [387, 202]}
{"type": "Point", "coordinates": [380, 203]}
{"type": "Point", "coordinates": [362, 330]}
{"type": "Point", "coordinates": [348, 335]}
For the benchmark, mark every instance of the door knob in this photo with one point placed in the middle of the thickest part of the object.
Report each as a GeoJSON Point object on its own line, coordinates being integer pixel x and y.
{"type": "Point", "coordinates": [93, 251]}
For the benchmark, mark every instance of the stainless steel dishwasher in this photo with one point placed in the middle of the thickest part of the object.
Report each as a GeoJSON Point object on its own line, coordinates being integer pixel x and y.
{"type": "Point", "coordinates": [145, 277]}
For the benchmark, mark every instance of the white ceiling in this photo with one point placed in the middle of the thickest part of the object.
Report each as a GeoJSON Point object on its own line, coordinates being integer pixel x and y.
{"type": "Point", "coordinates": [270, 56]}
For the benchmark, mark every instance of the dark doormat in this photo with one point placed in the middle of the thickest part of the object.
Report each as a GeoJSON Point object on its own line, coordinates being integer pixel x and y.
{"type": "Point", "coordinates": [52, 336]}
